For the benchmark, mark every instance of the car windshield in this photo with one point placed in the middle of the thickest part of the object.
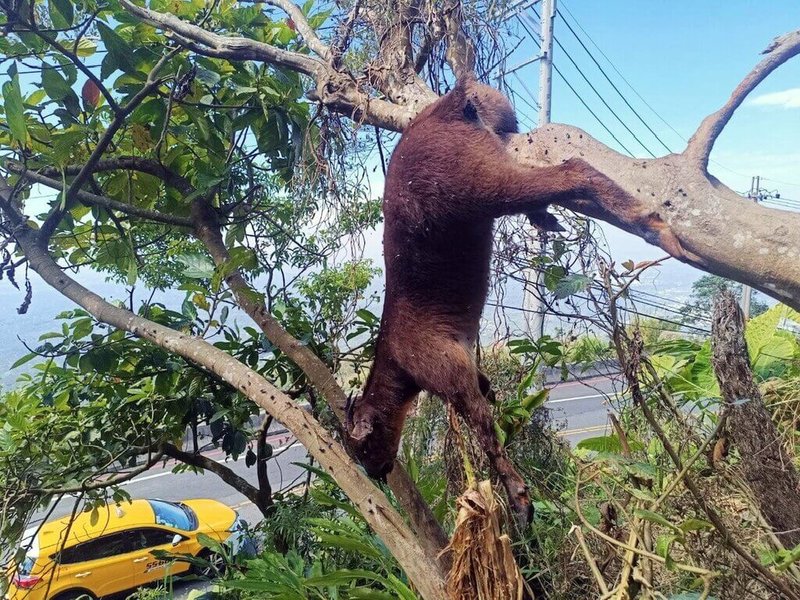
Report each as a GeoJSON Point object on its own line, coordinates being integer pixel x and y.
{"type": "Point", "coordinates": [175, 515]}
{"type": "Point", "coordinates": [26, 566]}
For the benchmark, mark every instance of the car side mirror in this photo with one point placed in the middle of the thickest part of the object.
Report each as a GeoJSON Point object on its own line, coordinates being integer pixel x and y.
{"type": "Point", "coordinates": [177, 539]}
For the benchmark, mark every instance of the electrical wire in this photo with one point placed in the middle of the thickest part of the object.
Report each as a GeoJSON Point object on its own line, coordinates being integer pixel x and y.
{"type": "Point", "coordinates": [530, 93]}
{"type": "Point", "coordinates": [602, 99]}
{"type": "Point", "coordinates": [598, 119]}
{"type": "Point", "coordinates": [782, 204]}
{"type": "Point", "coordinates": [778, 181]}
{"type": "Point", "coordinates": [627, 310]}
{"type": "Point", "coordinates": [582, 101]}
{"type": "Point", "coordinates": [608, 79]}
{"type": "Point", "coordinates": [617, 71]}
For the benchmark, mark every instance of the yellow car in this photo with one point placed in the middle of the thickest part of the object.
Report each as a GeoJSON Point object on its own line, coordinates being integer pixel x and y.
{"type": "Point", "coordinates": [110, 551]}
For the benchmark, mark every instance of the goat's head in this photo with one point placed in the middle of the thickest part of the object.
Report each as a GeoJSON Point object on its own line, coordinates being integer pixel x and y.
{"type": "Point", "coordinates": [372, 437]}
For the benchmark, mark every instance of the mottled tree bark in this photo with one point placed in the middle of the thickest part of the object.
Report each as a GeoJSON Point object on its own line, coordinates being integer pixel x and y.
{"type": "Point", "coordinates": [766, 466]}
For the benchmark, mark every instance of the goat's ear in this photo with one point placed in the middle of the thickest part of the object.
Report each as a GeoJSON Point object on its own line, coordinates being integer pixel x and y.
{"type": "Point", "coordinates": [471, 111]}
{"type": "Point", "coordinates": [360, 430]}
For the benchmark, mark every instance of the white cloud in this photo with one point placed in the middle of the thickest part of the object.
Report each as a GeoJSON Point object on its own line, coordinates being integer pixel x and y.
{"type": "Point", "coordinates": [786, 99]}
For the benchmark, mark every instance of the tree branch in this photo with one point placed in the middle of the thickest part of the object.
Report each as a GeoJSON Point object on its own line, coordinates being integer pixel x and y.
{"type": "Point", "coordinates": [672, 203]}
{"type": "Point", "coordinates": [104, 201]}
{"type": "Point", "coordinates": [106, 483]}
{"type": "Point", "coordinates": [779, 51]}
{"type": "Point", "coordinates": [303, 28]}
{"type": "Point", "coordinates": [236, 48]}
{"type": "Point", "coordinates": [227, 475]}
{"type": "Point", "coordinates": [460, 52]}
{"type": "Point", "coordinates": [338, 91]}
{"type": "Point", "coordinates": [54, 218]}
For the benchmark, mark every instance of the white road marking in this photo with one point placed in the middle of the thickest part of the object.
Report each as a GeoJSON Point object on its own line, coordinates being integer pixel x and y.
{"type": "Point", "coordinates": [560, 400]}
{"type": "Point", "coordinates": [221, 461]}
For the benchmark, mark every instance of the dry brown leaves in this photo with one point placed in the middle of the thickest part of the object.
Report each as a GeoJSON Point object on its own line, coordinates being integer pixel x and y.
{"type": "Point", "coordinates": [483, 564]}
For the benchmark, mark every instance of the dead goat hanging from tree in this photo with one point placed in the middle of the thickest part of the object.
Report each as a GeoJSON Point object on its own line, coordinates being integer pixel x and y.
{"type": "Point", "coordinates": [449, 178]}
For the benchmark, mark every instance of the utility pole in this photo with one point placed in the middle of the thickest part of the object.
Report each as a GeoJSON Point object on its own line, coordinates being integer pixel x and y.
{"type": "Point", "coordinates": [531, 302]}
{"type": "Point", "coordinates": [747, 292]}
{"type": "Point", "coordinates": [546, 62]}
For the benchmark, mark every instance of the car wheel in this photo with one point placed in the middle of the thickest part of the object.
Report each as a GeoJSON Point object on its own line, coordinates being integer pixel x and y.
{"type": "Point", "coordinates": [75, 595]}
{"type": "Point", "coordinates": [214, 568]}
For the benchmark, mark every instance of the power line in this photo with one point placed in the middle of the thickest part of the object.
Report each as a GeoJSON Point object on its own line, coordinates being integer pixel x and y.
{"type": "Point", "coordinates": [602, 99]}
{"type": "Point", "coordinates": [783, 204]}
{"type": "Point", "coordinates": [613, 66]}
{"type": "Point", "coordinates": [778, 181]}
{"type": "Point", "coordinates": [616, 89]}
{"type": "Point", "coordinates": [622, 308]}
{"type": "Point", "coordinates": [638, 95]}
{"type": "Point", "coordinates": [663, 320]}
{"type": "Point", "coordinates": [582, 101]}
{"type": "Point", "coordinates": [670, 310]}
{"type": "Point", "coordinates": [530, 93]}
{"type": "Point", "coordinates": [598, 119]}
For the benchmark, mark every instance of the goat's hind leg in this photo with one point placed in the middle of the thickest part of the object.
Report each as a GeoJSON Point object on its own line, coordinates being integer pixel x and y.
{"type": "Point", "coordinates": [447, 369]}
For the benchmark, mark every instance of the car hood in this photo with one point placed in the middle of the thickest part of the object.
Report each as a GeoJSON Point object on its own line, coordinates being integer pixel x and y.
{"type": "Point", "coordinates": [212, 515]}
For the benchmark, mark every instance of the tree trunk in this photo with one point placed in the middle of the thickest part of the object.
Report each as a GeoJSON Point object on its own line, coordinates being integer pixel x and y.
{"type": "Point", "coordinates": [765, 464]}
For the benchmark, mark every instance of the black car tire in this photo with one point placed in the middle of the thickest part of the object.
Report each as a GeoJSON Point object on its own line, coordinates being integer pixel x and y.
{"type": "Point", "coordinates": [207, 571]}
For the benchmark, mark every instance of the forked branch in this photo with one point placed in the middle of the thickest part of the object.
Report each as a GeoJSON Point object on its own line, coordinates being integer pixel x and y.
{"type": "Point", "coordinates": [778, 52]}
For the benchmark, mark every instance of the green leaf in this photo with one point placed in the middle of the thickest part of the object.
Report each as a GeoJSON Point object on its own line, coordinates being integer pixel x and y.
{"type": "Point", "coordinates": [61, 13]}
{"type": "Point", "coordinates": [54, 84]}
{"type": "Point", "coordinates": [120, 54]}
{"type": "Point", "coordinates": [572, 284]}
{"type": "Point", "coordinates": [654, 517]}
{"type": "Point", "coordinates": [694, 525]}
{"type": "Point", "coordinates": [210, 543]}
{"type": "Point", "coordinates": [86, 48]}
{"type": "Point", "coordinates": [133, 272]}
{"type": "Point", "coordinates": [15, 112]}
{"type": "Point", "coordinates": [197, 266]}
{"type": "Point", "coordinates": [663, 545]}
{"type": "Point", "coordinates": [533, 401]}
{"type": "Point", "coordinates": [23, 360]}
{"type": "Point", "coordinates": [603, 443]}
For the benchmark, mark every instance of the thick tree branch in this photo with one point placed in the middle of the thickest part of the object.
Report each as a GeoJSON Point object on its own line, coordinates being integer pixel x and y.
{"type": "Point", "coordinates": [371, 501]}
{"type": "Point", "coordinates": [782, 49]}
{"type": "Point", "coordinates": [236, 48]}
{"type": "Point", "coordinates": [393, 71]}
{"type": "Point", "coordinates": [460, 52]}
{"type": "Point", "coordinates": [672, 203]}
{"type": "Point", "coordinates": [227, 475]}
{"type": "Point", "coordinates": [338, 91]}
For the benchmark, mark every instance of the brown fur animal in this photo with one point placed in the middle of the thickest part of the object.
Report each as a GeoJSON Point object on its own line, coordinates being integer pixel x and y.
{"type": "Point", "coordinates": [449, 178]}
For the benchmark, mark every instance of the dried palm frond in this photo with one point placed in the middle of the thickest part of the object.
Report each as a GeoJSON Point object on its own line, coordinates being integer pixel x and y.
{"type": "Point", "coordinates": [483, 563]}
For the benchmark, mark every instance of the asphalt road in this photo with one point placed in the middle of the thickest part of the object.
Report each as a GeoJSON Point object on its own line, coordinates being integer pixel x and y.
{"type": "Point", "coordinates": [581, 408]}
